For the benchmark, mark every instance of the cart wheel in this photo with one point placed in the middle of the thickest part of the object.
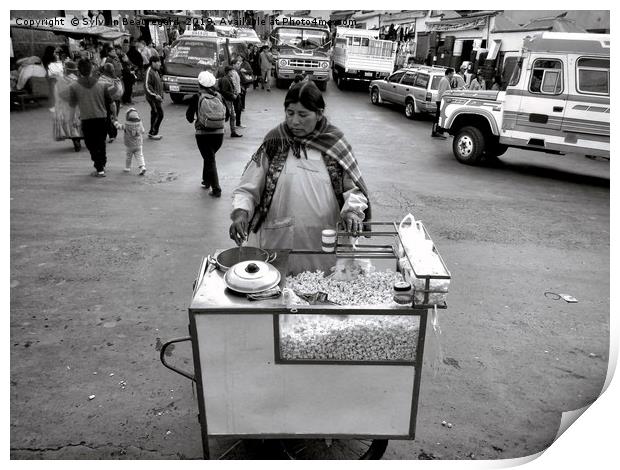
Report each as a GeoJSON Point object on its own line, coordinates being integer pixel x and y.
{"type": "Point", "coordinates": [334, 449]}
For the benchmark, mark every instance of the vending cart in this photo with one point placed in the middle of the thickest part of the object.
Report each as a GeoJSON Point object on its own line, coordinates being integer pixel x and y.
{"type": "Point", "coordinates": [308, 369]}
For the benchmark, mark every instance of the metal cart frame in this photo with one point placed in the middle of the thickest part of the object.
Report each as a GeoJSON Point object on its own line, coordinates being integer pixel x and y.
{"type": "Point", "coordinates": [275, 309]}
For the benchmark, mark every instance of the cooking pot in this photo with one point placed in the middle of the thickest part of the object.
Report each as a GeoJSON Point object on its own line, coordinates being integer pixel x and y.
{"type": "Point", "coordinates": [227, 258]}
{"type": "Point", "coordinates": [251, 277]}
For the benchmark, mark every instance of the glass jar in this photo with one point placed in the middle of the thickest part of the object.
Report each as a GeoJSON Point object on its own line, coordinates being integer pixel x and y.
{"type": "Point", "coordinates": [403, 293]}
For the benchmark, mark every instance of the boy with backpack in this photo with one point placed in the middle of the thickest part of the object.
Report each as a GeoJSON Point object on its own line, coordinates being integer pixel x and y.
{"type": "Point", "coordinates": [208, 111]}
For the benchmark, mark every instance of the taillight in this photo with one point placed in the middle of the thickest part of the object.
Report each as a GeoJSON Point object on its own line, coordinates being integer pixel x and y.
{"type": "Point", "coordinates": [429, 96]}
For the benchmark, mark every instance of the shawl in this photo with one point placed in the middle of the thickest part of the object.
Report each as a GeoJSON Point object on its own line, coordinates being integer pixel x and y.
{"type": "Point", "coordinates": [326, 139]}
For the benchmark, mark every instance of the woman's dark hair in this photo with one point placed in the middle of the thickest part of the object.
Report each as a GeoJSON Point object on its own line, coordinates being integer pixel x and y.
{"type": "Point", "coordinates": [85, 67]}
{"type": "Point", "coordinates": [48, 56]}
{"type": "Point", "coordinates": [306, 93]}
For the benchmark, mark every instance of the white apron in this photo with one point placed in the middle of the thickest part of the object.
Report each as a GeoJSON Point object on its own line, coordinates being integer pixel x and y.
{"type": "Point", "coordinates": [303, 205]}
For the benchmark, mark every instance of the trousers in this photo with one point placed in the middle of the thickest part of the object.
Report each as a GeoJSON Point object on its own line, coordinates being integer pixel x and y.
{"type": "Point", "coordinates": [95, 131]}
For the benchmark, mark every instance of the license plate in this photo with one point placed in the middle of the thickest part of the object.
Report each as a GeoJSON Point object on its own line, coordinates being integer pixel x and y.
{"type": "Point", "coordinates": [174, 88]}
{"type": "Point", "coordinates": [368, 74]}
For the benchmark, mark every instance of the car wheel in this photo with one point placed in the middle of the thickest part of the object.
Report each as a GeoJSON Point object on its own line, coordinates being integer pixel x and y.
{"type": "Point", "coordinates": [374, 97]}
{"type": "Point", "coordinates": [410, 109]}
{"type": "Point", "coordinates": [468, 145]}
{"type": "Point", "coordinates": [177, 98]}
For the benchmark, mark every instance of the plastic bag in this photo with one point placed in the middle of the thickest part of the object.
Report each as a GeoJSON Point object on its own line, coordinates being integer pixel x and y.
{"type": "Point", "coordinates": [347, 269]}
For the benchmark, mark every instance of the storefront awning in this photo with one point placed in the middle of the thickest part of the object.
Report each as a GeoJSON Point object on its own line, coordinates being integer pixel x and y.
{"type": "Point", "coordinates": [459, 24]}
{"type": "Point", "coordinates": [104, 33]}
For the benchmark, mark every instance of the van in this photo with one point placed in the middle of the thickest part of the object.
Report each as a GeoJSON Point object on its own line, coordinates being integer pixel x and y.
{"type": "Point", "coordinates": [191, 54]}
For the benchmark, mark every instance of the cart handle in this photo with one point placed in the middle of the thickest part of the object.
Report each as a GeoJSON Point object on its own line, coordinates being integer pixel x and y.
{"type": "Point", "coordinates": [172, 368]}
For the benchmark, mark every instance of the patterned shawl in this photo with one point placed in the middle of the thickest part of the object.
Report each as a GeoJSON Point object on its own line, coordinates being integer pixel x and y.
{"type": "Point", "coordinates": [326, 139]}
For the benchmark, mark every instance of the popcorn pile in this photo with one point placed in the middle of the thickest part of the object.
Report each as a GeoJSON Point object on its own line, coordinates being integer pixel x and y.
{"type": "Point", "coordinates": [363, 289]}
{"type": "Point", "coordinates": [349, 337]}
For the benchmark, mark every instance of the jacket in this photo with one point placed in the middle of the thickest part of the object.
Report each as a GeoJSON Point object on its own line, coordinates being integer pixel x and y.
{"type": "Point", "coordinates": [152, 84]}
{"type": "Point", "coordinates": [92, 97]}
{"type": "Point", "coordinates": [227, 88]}
{"type": "Point", "coordinates": [133, 134]}
{"type": "Point", "coordinates": [266, 61]}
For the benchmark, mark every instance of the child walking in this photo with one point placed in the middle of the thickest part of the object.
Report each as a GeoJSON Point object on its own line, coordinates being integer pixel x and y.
{"type": "Point", "coordinates": [133, 140]}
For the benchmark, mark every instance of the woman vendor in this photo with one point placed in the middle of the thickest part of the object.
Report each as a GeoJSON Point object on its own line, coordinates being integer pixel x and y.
{"type": "Point", "coordinates": [302, 179]}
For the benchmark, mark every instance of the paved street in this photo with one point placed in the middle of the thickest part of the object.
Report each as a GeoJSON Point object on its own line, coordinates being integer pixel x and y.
{"type": "Point", "coordinates": [102, 270]}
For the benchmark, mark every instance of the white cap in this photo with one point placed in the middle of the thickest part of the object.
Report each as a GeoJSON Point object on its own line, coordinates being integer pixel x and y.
{"type": "Point", "coordinates": [206, 79]}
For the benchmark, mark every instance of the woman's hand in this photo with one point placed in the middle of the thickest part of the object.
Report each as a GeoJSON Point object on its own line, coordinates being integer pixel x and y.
{"type": "Point", "coordinates": [239, 227]}
{"type": "Point", "coordinates": [353, 222]}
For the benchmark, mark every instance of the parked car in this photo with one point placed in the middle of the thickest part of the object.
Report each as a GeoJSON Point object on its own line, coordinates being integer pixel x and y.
{"type": "Point", "coordinates": [414, 88]}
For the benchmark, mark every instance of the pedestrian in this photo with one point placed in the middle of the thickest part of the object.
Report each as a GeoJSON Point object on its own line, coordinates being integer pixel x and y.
{"type": "Point", "coordinates": [444, 85]}
{"type": "Point", "coordinates": [95, 105]}
{"type": "Point", "coordinates": [136, 59]}
{"type": "Point", "coordinates": [266, 62]}
{"type": "Point", "coordinates": [236, 80]}
{"type": "Point", "coordinates": [154, 92]}
{"type": "Point", "coordinates": [133, 131]}
{"type": "Point", "coordinates": [475, 84]}
{"type": "Point", "coordinates": [255, 62]}
{"type": "Point", "coordinates": [145, 52]}
{"type": "Point", "coordinates": [302, 179]}
{"type": "Point", "coordinates": [244, 69]}
{"type": "Point", "coordinates": [129, 79]}
{"type": "Point", "coordinates": [208, 110]}
{"type": "Point", "coordinates": [115, 88]}
{"type": "Point", "coordinates": [227, 89]}
{"type": "Point", "coordinates": [497, 83]}
{"type": "Point", "coordinates": [67, 120]}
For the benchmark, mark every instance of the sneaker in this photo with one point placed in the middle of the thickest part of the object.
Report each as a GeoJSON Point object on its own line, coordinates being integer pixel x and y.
{"type": "Point", "coordinates": [242, 126]}
{"type": "Point", "coordinates": [142, 171]}
{"type": "Point", "coordinates": [155, 137]}
{"type": "Point", "coordinates": [236, 135]}
{"type": "Point", "coordinates": [127, 170]}
{"type": "Point", "coordinates": [217, 193]}
{"type": "Point", "coordinates": [98, 174]}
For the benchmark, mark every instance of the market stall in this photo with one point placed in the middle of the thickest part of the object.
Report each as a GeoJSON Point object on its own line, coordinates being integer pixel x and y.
{"type": "Point", "coordinates": [298, 356]}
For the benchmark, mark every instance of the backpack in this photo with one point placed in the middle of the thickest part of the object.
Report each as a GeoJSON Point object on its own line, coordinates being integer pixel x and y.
{"type": "Point", "coordinates": [211, 112]}
{"type": "Point", "coordinates": [116, 90]}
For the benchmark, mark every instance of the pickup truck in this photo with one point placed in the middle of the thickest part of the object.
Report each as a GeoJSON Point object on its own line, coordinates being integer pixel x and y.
{"type": "Point", "coordinates": [557, 101]}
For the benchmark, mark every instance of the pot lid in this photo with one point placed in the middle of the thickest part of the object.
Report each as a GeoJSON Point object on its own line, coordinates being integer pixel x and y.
{"type": "Point", "coordinates": [250, 277]}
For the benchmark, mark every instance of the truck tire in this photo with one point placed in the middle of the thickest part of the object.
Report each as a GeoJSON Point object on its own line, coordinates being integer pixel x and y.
{"type": "Point", "coordinates": [340, 82]}
{"type": "Point", "coordinates": [177, 98]}
{"type": "Point", "coordinates": [468, 145]}
{"type": "Point", "coordinates": [280, 83]}
{"type": "Point", "coordinates": [410, 109]}
{"type": "Point", "coordinates": [322, 85]}
{"type": "Point", "coordinates": [375, 98]}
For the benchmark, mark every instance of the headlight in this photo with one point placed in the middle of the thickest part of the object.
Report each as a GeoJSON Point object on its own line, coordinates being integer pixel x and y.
{"type": "Point", "coordinates": [324, 65]}
{"type": "Point", "coordinates": [168, 78]}
{"type": "Point", "coordinates": [283, 62]}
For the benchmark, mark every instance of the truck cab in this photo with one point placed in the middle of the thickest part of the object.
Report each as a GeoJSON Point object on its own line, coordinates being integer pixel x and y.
{"type": "Point", "coordinates": [301, 47]}
{"type": "Point", "coordinates": [557, 101]}
{"type": "Point", "coordinates": [359, 55]}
